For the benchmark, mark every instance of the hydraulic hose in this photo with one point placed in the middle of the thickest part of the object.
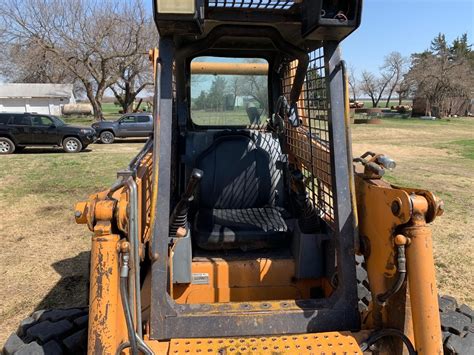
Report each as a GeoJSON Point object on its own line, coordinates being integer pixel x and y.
{"type": "Point", "coordinates": [402, 272]}
{"type": "Point", "coordinates": [126, 307]}
{"type": "Point", "coordinates": [377, 335]}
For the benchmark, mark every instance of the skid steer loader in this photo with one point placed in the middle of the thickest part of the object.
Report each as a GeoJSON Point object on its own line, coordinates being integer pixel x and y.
{"type": "Point", "coordinates": [244, 225]}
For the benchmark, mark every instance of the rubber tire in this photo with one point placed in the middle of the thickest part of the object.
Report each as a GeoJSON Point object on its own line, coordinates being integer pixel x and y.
{"type": "Point", "coordinates": [363, 289]}
{"type": "Point", "coordinates": [59, 331]}
{"type": "Point", "coordinates": [12, 147]}
{"type": "Point", "coordinates": [457, 327]}
{"type": "Point", "coordinates": [79, 145]}
{"type": "Point", "coordinates": [110, 140]}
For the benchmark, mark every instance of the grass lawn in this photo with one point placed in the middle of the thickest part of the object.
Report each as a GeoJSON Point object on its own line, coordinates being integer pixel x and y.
{"type": "Point", "coordinates": [436, 156]}
{"type": "Point", "coordinates": [227, 118]}
{"type": "Point", "coordinates": [43, 262]}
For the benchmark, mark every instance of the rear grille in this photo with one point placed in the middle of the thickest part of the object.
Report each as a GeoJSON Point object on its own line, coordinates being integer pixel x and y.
{"type": "Point", "coordinates": [252, 4]}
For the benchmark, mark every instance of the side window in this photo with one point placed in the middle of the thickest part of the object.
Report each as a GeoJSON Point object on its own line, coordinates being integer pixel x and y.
{"type": "Point", "coordinates": [143, 119]}
{"type": "Point", "coordinates": [42, 121]}
{"type": "Point", "coordinates": [129, 119]}
{"type": "Point", "coordinates": [4, 119]}
{"type": "Point", "coordinates": [22, 120]}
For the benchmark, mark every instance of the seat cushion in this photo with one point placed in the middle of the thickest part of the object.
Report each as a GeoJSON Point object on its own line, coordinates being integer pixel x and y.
{"type": "Point", "coordinates": [236, 174]}
{"type": "Point", "coordinates": [246, 229]}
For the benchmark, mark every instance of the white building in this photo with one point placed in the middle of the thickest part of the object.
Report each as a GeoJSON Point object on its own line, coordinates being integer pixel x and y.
{"type": "Point", "coordinates": [35, 98]}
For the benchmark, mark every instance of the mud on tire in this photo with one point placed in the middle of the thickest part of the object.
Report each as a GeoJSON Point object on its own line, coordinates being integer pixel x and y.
{"type": "Point", "coordinates": [457, 327]}
{"type": "Point", "coordinates": [59, 331]}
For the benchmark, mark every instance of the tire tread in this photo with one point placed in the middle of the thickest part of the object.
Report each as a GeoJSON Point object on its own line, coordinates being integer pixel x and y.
{"type": "Point", "coordinates": [457, 327]}
{"type": "Point", "coordinates": [59, 331]}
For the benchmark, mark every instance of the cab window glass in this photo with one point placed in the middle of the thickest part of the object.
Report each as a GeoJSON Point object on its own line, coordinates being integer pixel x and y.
{"type": "Point", "coordinates": [22, 120]}
{"type": "Point", "coordinates": [129, 119]}
{"type": "Point", "coordinates": [143, 119]}
{"type": "Point", "coordinates": [220, 99]}
{"type": "Point", "coordinates": [4, 119]}
{"type": "Point", "coordinates": [42, 121]}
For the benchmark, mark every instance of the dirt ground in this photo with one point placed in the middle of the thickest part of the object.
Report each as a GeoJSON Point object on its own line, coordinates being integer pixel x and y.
{"type": "Point", "coordinates": [43, 261]}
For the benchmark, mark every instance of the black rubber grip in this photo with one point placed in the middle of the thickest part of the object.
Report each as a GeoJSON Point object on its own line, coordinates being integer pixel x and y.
{"type": "Point", "coordinates": [193, 183]}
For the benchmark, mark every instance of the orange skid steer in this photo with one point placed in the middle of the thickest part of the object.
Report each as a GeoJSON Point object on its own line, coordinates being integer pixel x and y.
{"type": "Point", "coordinates": [245, 226]}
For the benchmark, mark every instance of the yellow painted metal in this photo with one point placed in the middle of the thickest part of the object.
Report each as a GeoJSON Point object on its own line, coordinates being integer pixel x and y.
{"type": "Point", "coordinates": [321, 343]}
{"type": "Point", "coordinates": [247, 280]}
{"type": "Point", "coordinates": [377, 224]}
{"type": "Point", "coordinates": [422, 281]}
{"type": "Point", "coordinates": [106, 319]}
{"type": "Point", "coordinates": [389, 216]}
{"type": "Point", "coordinates": [214, 68]}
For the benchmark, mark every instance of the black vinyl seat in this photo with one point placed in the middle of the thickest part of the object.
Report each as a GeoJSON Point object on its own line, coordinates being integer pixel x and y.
{"type": "Point", "coordinates": [236, 202]}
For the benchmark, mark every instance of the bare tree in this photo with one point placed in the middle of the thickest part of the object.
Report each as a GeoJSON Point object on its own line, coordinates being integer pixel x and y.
{"type": "Point", "coordinates": [394, 67]}
{"type": "Point", "coordinates": [91, 39]}
{"type": "Point", "coordinates": [441, 75]}
{"type": "Point", "coordinates": [374, 87]}
{"type": "Point", "coordinates": [353, 83]}
{"type": "Point", "coordinates": [134, 79]}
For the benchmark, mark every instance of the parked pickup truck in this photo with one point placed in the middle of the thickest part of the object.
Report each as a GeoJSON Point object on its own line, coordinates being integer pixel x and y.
{"type": "Point", "coordinates": [19, 130]}
{"type": "Point", "coordinates": [129, 125]}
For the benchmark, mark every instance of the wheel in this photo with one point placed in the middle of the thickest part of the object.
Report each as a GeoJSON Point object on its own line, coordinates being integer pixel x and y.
{"type": "Point", "coordinates": [6, 146]}
{"type": "Point", "coordinates": [107, 137]}
{"type": "Point", "coordinates": [72, 145]}
{"type": "Point", "coordinates": [363, 290]}
{"type": "Point", "coordinates": [457, 327]}
{"type": "Point", "coordinates": [60, 331]}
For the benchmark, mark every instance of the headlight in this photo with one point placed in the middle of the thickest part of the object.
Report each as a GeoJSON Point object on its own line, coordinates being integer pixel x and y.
{"type": "Point", "coordinates": [176, 6]}
{"type": "Point", "coordinates": [87, 131]}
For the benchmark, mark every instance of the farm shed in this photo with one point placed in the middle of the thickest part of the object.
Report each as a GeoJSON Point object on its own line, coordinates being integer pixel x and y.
{"type": "Point", "coordinates": [37, 98]}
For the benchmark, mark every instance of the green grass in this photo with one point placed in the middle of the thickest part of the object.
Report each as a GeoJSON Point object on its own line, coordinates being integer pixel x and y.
{"type": "Point", "coordinates": [227, 118]}
{"type": "Point", "coordinates": [414, 122]}
{"type": "Point", "coordinates": [53, 174]}
{"type": "Point", "coordinates": [464, 147]}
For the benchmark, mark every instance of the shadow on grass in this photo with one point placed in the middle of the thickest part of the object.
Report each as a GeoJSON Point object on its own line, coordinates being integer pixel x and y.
{"type": "Point", "coordinates": [33, 151]}
{"type": "Point", "coordinates": [72, 290]}
{"type": "Point", "coordinates": [126, 140]}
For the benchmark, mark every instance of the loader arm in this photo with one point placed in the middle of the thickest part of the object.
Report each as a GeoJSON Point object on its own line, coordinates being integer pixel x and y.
{"type": "Point", "coordinates": [394, 233]}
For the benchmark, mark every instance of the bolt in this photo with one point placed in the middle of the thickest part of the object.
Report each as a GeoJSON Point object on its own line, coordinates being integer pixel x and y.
{"type": "Point", "coordinates": [401, 240]}
{"type": "Point", "coordinates": [78, 214]}
{"type": "Point", "coordinates": [396, 208]}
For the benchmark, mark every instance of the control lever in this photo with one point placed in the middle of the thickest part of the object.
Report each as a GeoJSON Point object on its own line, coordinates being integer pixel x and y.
{"type": "Point", "coordinates": [179, 217]}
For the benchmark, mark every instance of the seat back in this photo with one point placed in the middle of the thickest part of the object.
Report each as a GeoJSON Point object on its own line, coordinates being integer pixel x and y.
{"type": "Point", "coordinates": [236, 174]}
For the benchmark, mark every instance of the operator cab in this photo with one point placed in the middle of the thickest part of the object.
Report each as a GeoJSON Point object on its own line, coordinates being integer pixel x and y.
{"type": "Point", "coordinates": [256, 211]}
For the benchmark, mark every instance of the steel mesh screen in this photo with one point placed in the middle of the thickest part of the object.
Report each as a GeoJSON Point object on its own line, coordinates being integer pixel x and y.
{"type": "Point", "coordinates": [253, 4]}
{"type": "Point", "coordinates": [309, 144]}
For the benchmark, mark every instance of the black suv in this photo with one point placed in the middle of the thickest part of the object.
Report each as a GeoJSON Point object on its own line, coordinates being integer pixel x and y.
{"type": "Point", "coordinates": [129, 125]}
{"type": "Point", "coordinates": [18, 130]}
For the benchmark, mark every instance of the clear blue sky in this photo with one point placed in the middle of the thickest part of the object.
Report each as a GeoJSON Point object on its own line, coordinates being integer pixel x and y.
{"type": "Point", "coordinates": [406, 26]}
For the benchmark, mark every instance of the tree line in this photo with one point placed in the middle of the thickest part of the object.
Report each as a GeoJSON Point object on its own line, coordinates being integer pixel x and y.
{"type": "Point", "coordinates": [441, 74]}
{"type": "Point", "coordinates": [98, 45]}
